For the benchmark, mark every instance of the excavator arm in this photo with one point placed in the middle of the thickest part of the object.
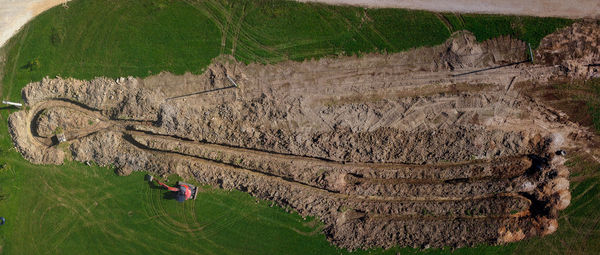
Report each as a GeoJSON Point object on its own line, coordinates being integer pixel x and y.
{"type": "Point", "coordinates": [167, 186]}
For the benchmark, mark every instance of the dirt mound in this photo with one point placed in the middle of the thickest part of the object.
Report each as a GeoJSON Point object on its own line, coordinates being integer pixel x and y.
{"type": "Point", "coordinates": [462, 51]}
{"type": "Point", "coordinates": [55, 120]}
{"type": "Point", "coordinates": [575, 48]}
{"type": "Point", "coordinates": [114, 98]}
{"type": "Point", "coordinates": [397, 149]}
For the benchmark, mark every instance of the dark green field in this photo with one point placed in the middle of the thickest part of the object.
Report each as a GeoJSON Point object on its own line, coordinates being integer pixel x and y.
{"type": "Point", "coordinates": [75, 209]}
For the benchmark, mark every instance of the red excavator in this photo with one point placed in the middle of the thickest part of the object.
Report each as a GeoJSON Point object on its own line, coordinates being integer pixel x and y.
{"type": "Point", "coordinates": [185, 191]}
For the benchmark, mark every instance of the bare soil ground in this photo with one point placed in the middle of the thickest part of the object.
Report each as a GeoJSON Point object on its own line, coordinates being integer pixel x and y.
{"type": "Point", "coordinates": [575, 48]}
{"type": "Point", "coordinates": [398, 149]}
{"type": "Point", "coordinates": [540, 8]}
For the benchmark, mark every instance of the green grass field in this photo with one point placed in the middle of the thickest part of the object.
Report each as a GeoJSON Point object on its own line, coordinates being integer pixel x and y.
{"type": "Point", "coordinates": [591, 97]}
{"type": "Point", "coordinates": [74, 209]}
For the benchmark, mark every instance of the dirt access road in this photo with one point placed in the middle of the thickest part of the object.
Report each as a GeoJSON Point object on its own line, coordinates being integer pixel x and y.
{"type": "Point", "coordinates": [16, 13]}
{"type": "Point", "coordinates": [540, 8]}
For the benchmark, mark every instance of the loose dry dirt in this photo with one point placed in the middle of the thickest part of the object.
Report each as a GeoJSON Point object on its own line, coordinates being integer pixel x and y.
{"type": "Point", "coordinates": [396, 149]}
{"type": "Point", "coordinates": [576, 49]}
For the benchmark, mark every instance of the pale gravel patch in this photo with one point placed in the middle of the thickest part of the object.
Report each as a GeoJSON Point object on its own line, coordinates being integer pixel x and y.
{"type": "Point", "coordinates": [540, 8]}
{"type": "Point", "coordinates": [16, 13]}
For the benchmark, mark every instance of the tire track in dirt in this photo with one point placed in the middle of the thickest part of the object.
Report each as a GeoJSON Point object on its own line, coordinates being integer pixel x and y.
{"type": "Point", "coordinates": [421, 214]}
{"type": "Point", "coordinates": [323, 168]}
{"type": "Point", "coordinates": [369, 206]}
{"type": "Point", "coordinates": [14, 67]}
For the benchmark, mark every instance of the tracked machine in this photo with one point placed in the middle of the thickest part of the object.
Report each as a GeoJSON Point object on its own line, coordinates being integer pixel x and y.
{"type": "Point", "coordinates": [185, 191]}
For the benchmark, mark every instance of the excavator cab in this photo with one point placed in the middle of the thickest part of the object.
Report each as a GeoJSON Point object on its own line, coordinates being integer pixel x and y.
{"type": "Point", "coordinates": [185, 191]}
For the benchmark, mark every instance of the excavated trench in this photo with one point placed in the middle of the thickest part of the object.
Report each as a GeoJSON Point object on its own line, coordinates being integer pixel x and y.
{"type": "Point", "coordinates": [385, 149]}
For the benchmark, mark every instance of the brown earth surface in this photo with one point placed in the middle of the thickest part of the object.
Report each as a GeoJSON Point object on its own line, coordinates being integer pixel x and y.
{"type": "Point", "coordinates": [400, 149]}
{"type": "Point", "coordinates": [575, 48]}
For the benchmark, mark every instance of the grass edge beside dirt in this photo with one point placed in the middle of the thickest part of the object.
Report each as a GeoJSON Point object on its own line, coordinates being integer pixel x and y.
{"type": "Point", "coordinates": [40, 71]}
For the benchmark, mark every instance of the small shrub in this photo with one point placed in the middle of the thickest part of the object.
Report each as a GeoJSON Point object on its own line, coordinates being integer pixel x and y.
{"type": "Point", "coordinates": [238, 161]}
{"type": "Point", "coordinates": [57, 36]}
{"type": "Point", "coordinates": [58, 130]}
{"type": "Point", "coordinates": [343, 208]}
{"type": "Point", "coordinates": [4, 167]}
{"type": "Point", "coordinates": [33, 65]}
{"type": "Point", "coordinates": [63, 146]}
{"type": "Point", "coordinates": [159, 5]}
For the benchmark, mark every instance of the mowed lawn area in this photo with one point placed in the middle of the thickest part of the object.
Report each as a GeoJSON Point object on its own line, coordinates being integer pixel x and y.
{"type": "Point", "coordinates": [80, 209]}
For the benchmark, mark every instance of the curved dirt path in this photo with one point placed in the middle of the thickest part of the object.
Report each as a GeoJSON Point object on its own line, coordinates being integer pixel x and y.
{"type": "Point", "coordinates": [490, 173]}
{"type": "Point", "coordinates": [540, 8]}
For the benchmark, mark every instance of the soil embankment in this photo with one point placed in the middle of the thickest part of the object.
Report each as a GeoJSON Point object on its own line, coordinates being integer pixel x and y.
{"type": "Point", "coordinates": [400, 149]}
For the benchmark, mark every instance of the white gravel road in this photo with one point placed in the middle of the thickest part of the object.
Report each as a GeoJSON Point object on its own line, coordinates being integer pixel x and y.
{"type": "Point", "coordinates": [15, 13]}
{"type": "Point", "coordinates": [541, 8]}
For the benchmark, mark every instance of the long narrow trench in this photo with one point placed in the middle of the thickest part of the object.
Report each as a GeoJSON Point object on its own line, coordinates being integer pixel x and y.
{"type": "Point", "coordinates": [378, 191]}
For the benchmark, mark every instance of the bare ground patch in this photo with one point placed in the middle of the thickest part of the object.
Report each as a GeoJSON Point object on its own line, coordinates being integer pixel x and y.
{"type": "Point", "coordinates": [386, 150]}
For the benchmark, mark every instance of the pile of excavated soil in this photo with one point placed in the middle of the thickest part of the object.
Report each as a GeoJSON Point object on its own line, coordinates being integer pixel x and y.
{"type": "Point", "coordinates": [386, 150]}
{"type": "Point", "coordinates": [575, 48]}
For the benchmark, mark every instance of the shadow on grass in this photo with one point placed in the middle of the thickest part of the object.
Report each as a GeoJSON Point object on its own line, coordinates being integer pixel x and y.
{"type": "Point", "coordinates": [9, 107]}
{"type": "Point", "coordinates": [169, 195]}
